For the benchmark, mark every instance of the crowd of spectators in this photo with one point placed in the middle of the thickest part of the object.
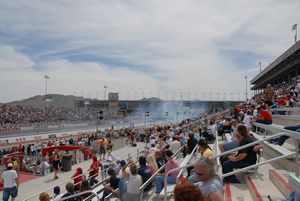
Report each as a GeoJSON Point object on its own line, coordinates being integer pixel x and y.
{"type": "Point", "coordinates": [14, 116]}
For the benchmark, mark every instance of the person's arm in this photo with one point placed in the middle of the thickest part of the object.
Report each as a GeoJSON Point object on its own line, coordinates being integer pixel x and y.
{"type": "Point", "coordinates": [17, 180]}
{"type": "Point", "coordinates": [215, 196]}
{"type": "Point", "coordinates": [238, 157]}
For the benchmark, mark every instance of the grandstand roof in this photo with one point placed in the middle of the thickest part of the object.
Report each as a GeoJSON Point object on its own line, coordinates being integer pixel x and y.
{"type": "Point", "coordinates": [293, 50]}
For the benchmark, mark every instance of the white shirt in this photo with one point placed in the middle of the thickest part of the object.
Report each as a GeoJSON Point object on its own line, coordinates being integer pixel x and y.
{"type": "Point", "coordinates": [247, 121]}
{"type": "Point", "coordinates": [175, 145]}
{"type": "Point", "coordinates": [9, 178]}
{"type": "Point", "coordinates": [134, 184]}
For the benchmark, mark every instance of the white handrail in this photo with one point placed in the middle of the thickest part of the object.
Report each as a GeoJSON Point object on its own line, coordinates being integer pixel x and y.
{"type": "Point", "coordinates": [81, 193]}
{"type": "Point", "coordinates": [233, 150]}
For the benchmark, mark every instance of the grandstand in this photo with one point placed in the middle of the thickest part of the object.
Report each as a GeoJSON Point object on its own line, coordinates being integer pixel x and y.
{"type": "Point", "coordinates": [274, 176]}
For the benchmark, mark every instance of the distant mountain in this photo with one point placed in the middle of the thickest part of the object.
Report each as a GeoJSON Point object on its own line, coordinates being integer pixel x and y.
{"type": "Point", "coordinates": [57, 101]}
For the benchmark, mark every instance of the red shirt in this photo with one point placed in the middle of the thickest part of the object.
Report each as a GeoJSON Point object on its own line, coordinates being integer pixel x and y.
{"type": "Point", "coordinates": [266, 115]}
{"type": "Point", "coordinates": [77, 179]}
{"type": "Point", "coordinates": [95, 168]}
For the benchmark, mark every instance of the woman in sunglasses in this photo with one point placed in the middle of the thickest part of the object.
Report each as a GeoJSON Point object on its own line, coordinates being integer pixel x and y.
{"type": "Point", "coordinates": [211, 184]}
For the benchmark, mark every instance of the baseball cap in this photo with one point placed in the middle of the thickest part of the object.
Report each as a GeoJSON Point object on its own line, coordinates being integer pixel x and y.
{"type": "Point", "coordinates": [123, 162]}
{"type": "Point", "coordinates": [94, 158]}
{"type": "Point", "coordinates": [10, 165]}
{"type": "Point", "coordinates": [79, 169]}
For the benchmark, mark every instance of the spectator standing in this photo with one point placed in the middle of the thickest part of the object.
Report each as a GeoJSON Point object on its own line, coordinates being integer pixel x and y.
{"type": "Point", "coordinates": [10, 183]}
{"type": "Point", "coordinates": [56, 163]}
{"type": "Point", "coordinates": [268, 95]}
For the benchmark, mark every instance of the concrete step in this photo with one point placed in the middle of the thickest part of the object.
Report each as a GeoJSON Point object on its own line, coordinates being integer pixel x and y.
{"type": "Point", "coordinates": [280, 181]}
{"type": "Point", "coordinates": [260, 186]}
{"type": "Point", "coordinates": [237, 192]}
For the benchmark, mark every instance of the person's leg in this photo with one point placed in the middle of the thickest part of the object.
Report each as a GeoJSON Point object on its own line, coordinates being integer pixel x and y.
{"type": "Point", "coordinates": [293, 128]}
{"type": "Point", "coordinates": [5, 194]}
{"type": "Point", "coordinates": [221, 146]}
{"type": "Point", "coordinates": [159, 183]}
{"type": "Point", "coordinates": [14, 193]}
{"type": "Point", "coordinates": [228, 166]}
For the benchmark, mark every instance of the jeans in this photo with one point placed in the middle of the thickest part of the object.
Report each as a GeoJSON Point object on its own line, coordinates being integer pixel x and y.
{"type": "Point", "coordinates": [228, 166]}
{"type": "Point", "coordinates": [13, 192]}
{"type": "Point", "coordinates": [160, 180]}
{"type": "Point", "coordinates": [267, 122]}
{"type": "Point", "coordinates": [281, 139]}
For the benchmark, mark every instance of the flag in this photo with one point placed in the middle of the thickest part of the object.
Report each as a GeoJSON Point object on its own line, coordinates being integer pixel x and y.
{"type": "Point", "coordinates": [294, 27]}
{"type": "Point", "coordinates": [46, 77]}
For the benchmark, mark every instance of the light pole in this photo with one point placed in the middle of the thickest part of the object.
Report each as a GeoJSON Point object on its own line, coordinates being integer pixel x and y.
{"type": "Point", "coordinates": [166, 114]}
{"type": "Point", "coordinates": [246, 87]}
{"type": "Point", "coordinates": [147, 114]}
{"type": "Point", "coordinates": [294, 28]}
{"type": "Point", "coordinates": [259, 63]}
{"type": "Point", "coordinates": [105, 87]}
{"type": "Point", "coordinates": [46, 91]}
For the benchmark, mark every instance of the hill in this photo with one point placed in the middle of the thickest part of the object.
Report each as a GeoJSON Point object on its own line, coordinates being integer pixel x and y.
{"type": "Point", "coordinates": [57, 101]}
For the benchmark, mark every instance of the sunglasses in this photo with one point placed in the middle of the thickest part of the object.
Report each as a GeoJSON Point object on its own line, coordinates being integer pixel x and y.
{"type": "Point", "coordinates": [199, 174]}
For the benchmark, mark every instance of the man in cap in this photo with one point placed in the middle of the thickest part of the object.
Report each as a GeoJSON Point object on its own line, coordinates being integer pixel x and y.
{"type": "Point", "coordinates": [94, 170]}
{"type": "Point", "coordinates": [10, 182]}
{"type": "Point", "coordinates": [77, 177]}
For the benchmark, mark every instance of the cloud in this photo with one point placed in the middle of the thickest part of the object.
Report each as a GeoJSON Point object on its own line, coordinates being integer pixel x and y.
{"type": "Point", "coordinates": [142, 46]}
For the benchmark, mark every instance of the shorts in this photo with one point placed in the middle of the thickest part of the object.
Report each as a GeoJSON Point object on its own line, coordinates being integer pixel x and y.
{"type": "Point", "coordinates": [102, 150]}
{"type": "Point", "coordinates": [230, 145]}
{"type": "Point", "coordinates": [13, 192]}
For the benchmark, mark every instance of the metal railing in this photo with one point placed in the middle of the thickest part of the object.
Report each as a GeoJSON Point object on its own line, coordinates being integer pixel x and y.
{"type": "Point", "coordinates": [180, 173]}
{"type": "Point", "coordinates": [154, 175]}
{"type": "Point", "coordinates": [79, 194]}
{"type": "Point", "coordinates": [102, 173]}
{"type": "Point", "coordinates": [290, 133]}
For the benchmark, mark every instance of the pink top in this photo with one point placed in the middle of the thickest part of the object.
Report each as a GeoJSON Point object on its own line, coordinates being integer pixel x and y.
{"type": "Point", "coordinates": [153, 170]}
{"type": "Point", "coordinates": [172, 164]}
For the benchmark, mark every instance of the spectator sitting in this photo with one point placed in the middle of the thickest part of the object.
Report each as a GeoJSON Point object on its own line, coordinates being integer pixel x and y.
{"type": "Point", "coordinates": [204, 148]}
{"type": "Point", "coordinates": [171, 178]}
{"type": "Point", "coordinates": [160, 160]}
{"type": "Point", "coordinates": [244, 158]}
{"type": "Point", "coordinates": [94, 170]}
{"type": "Point", "coordinates": [44, 197]}
{"type": "Point", "coordinates": [57, 195]}
{"type": "Point", "coordinates": [70, 191]}
{"type": "Point", "coordinates": [175, 145]}
{"type": "Point", "coordinates": [234, 143]}
{"type": "Point", "coordinates": [112, 185]}
{"type": "Point", "coordinates": [144, 171]}
{"type": "Point", "coordinates": [151, 163]}
{"type": "Point", "coordinates": [85, 186]}
{"type": "Point", "coordinates": [77, 177]}
{"type": "Point", "coordinates": [134, 183]}
{"type": "Point", "coordinates": [281, 139]}
{"type": "Point", "coordinates": [211, 184]}
{"type": "Point", "coordinates": [264, 116]}
{"type": "Point", "coordinates": [188, 192]}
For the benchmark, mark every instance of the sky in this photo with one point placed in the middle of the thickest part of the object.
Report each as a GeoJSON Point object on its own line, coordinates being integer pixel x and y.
{"type": "Point", "coordinates": [140, 48]}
